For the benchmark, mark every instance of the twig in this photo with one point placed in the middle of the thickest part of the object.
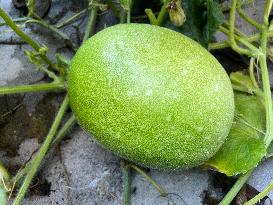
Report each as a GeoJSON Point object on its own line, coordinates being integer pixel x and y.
{"type": "Point", "coordinates": [55, 30]}
{"type": "Point", "coordinates": [59, 137]}
{"type": "Point", "coordinates": [265, 77]}
{"type": "Point", "coordinates": [160, 190]}
{"type": "Point", "coordinates": [251, 73]}
{"type": "Point", "coordinates": [71, 19]}
{"type": "Point", "coordinates": [26, 38]}
{"type": "Point", "coordinates": [261, 195]}
{"type": "Point", "coordinates": [233, 43]}
{"type": "Point", "coordinates": [157, 21]}
{"type": "Point", "coordinates": [268, 103]}
{"type": "Point", "coordinates": [91, 23]}
{"type": "Point", "coordinates": [247, 18]}
{"type": "Point", "coordinates": [41, 154]}
{"type": "Point", "coordinates": [162, 13]}
{"type": "Point", "coordinates": [126, 183]}
{"type": "Point", "coordinates": [236, 188]}
{"type": "Point", "coordinates": [253, 50]}
{"type": "Point", "coordinates": [31, 88]}
{"type": "Point", "coordinates": [17, 20]}
{"type": "Point", "coordinates": [63, 131]}
{"type": "Point", "coordinates": [151, 16]}
{"type": "Point", "coordinates": [249, 39]}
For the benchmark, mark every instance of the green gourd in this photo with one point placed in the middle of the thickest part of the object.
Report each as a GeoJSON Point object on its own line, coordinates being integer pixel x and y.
{"type": "Point", "coordinates": [151, 95]}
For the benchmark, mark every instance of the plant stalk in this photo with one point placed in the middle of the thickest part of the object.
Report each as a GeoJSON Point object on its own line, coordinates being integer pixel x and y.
{"type": "Point", "coordinates": [261, 195]}
{"type": "Point", "coordinates": [126, 183]}
{"type": "Point", "coordinates": [249, 39]}
{"type": "Point", "coordinates": [42, 152]}
{"type": "Point", "coordinates": [55, 30]}
{"type": "Point", "coordinates": [25, 37]}
{"type": "Point", "coordinates": [267, 98]}
{"type": "Point", "coordinates": [91, 23]}
{"type": "Point", "coordinates": [236, 188]}
{"type": "Point", "coordinates": [149, 179]}
{"type": "Point", "coordinates": [31, 88]}
{"type": "Point", "coordinates": [59, 137]}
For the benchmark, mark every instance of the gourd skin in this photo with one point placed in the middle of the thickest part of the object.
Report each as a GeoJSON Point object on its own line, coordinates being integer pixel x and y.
{"type": "Point", "coordinates": [151, 95]}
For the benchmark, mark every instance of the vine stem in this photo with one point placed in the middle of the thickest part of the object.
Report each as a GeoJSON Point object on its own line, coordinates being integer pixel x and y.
{"type": "Point", "coordinates": [159, 20]}
{"type": "Point", "coordinates": [236, 188]}
{"type": "Point", "coordinates": [26, 38]}
{"type": "Point", "coordinates": [31, 88]}
{"type": "Point", "coordinates": [126, 183]}
{"type": "Point", "coordinates": [42, 152]}
{"type": "Point", "coordinates": [71, 19]}
{"type": "Point", "coordinates": [231, 34]}
{"type": "Point", "coordinates": [17, 20]}
{"type": "Point", "coordinates": [90, 23]}
{"type": "Point", "coordinates": [249, 39]}
{"type": "Point", "coordinates": [151, 16]}
{"type": "Point", "coordinates": [261, 195]}
{"type": "Point", "coordinates": [54, 29]}
{"type": "Point", "coordinates": [265, 77]}
{"type": "Point", "coordinates": [267, 98]}
{"type": "Point", "coordinates": [16, 29]}
{"type": "Point", "coordinates": [59, 137]}
{"type": "Point", "coordinates": [63, 131]}
{"type": "Point", "coordinates": [253, 51]}
{"type": "Point", "coordinates": [149, 179]}
{"type": "Point", "coordinates": [247, 18]}
{"type": "Point", "coordinates": [31, 7]}
{"type": "Point", "coordinates": [251, 73]}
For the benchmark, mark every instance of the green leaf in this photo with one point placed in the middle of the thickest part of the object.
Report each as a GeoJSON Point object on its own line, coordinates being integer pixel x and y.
{"type": "Point", "coordinates": [244, 147]}
{"type": "Point", "coordinates": [242, 82]}
{"type": "Point", "coordinates": [215, 18]}
{"type": "Point", "coordinates": [203, 18]}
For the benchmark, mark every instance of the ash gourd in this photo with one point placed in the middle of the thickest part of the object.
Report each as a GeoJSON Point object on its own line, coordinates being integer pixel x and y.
{"type": "Point", "coordinates": [151, 95]}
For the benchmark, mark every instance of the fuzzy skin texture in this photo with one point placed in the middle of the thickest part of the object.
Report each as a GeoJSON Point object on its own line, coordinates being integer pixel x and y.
{"type": "Point", "coordinates": [151, 95]}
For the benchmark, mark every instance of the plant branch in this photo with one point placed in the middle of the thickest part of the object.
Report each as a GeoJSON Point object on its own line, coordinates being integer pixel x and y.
{"type": "Point", "coordinates": [261, 195]}
{"type": "Point", "coordinates": [18, 31]}
{"type": "Point", "coordinates": [231, 34]}
{"type": "Point", "coordinates": [73, 18]}
{"type": "Point", "coordinates": [17, 20]}
{"type": "Point", "coordinates": [236, 188]}
{"type": "Point", "coordinates": [247, 18]}
{"type": "Point", "coordinates": [55, 30]}
{"type": "Point", "coordinates": [249, 39]}
{"type": "Point", "coordinates": [265, 77]}
{"type": "Point", "coordinates": [59, 137]}
{"type": "Point", "coordinates": [253, 51]}
{"type": "Point", "coordinates": [159, 20]}
{"type": "Point", "coordinates": [91, 23]}
{"type": "Point", "coordinates": [151, 16]}
{"type": "Point", "coordinates": [162, 13]}
{"type": "Point", "coordinates": [31, 88]}
{"type": "Point", "coordinates": [25, 37]}
{"type": "Point", "coordinates": [237, 31]}
{"type": "Point", "coordinates": [160, 190]}
{"type": "Point", "coordinates": [42, 152]}
{"type": "Point", "coordinates": [267, 98]}
{"type": "Point", "coordinates": [126, 183]}
{"type": "Point", "coordinates": [251, 72]}
{"type": "Point", "coordinates": [63, 131]}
